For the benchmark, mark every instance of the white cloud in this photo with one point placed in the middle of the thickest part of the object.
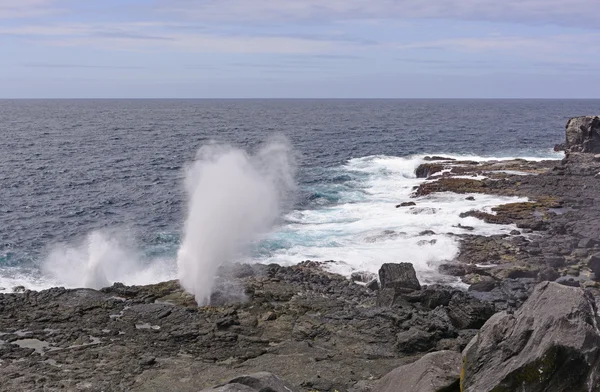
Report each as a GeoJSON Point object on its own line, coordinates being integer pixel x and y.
{"type": "Point", "coordinates": [562, 12]}
{"type": "Point", "coordinates": [148, 36]}
{"type": "Point", "coordinates": [13, 9]}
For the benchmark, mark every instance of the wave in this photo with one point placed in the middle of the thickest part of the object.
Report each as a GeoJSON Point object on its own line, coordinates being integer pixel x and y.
{"type": "Point", "coordinates": [350, 217]}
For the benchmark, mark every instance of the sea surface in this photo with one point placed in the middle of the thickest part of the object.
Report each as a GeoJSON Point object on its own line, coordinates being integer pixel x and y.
{"type": "Point", "coordinates": [100, 183]}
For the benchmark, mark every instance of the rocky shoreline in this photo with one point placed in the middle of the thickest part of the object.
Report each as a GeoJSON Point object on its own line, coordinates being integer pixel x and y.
{"type": "Point", "coordinates": [312, 330]}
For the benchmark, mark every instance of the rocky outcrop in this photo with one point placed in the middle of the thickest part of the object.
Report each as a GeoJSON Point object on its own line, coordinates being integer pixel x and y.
{"type": "Point", "coordinates": [400, 277]}
{"type": "Point", "coordinates": [552, 343]}
{"type": "Point", "coordinates": [314, 329]}
{"type": "Point", "coordinates": [583, 134]}
{"type": "Point", "coordinates": [257, 382]}
{"type": "Point", "coordinates": [435, 372]}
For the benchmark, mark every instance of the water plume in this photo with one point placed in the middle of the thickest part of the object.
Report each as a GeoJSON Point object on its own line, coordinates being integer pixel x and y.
{"type": "Point", "coordinates": [233, 197]}
{"type": "Point", "coordinates": [101, 259]}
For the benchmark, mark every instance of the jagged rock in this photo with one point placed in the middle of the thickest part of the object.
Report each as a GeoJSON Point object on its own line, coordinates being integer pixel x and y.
{"type": "Point", "coordinates": [552, 343]}
{"type": "Point", "coordinates": [555, 261]}
{"type": "Point", "coordinates": [583, 134]}
{"type": "Point", "coordinates": [425, 170]}
{"type": "Point", "coordinates": [587, 243]}
{"type": "Point", "coordinates": [435, 372]}
{"type": "Point", "coordinates": [438, 158]}
{"type": "Point", "coordinates": [594, 264]}
{"type": "Point", "coordinates": [467, 312]}
{"type": "Point", "coordinates": [548, 274]}
{"type": "Point", "coordinates": [399, 276]}
{"type": "Point", "coordinates": [257, 382]}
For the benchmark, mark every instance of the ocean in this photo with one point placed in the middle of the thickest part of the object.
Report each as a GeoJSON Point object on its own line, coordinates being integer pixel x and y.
{"type": "Point", "coordinates": [98, 187]}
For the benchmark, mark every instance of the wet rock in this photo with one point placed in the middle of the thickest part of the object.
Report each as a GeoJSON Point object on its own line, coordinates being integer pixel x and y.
{"type": "Point", "coordinates": [453, 269]}
{"type": "Point", "coordinates": [362, 276]}
{"type": "Point", "coordinates": [470, 198]}
{"type": "Point", "coordinates": [435, 372]}
{"type": "Point", "coordinates": [550, 344]}
{"type": "Point", "coordinates": [438, 158]}
{"type": "Point", "coordinates": [373, 285]}
{"type": "Point", "coordinates": [484, 285]}
{"type": "Point", "coordinates": [399, 276]}
{"type": "Point", "coordinates": [425, 170]}
{"type": "Point", "coordinates": [406, 204]}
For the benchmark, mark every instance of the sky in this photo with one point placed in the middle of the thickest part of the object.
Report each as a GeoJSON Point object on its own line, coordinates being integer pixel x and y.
{"type": "Point", "coordinates": [299, 49]}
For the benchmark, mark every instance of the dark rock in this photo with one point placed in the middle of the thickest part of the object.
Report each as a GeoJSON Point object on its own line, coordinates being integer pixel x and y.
{"type": "Point", "coordinates": [399, 276]}
{"type": "Point", "coordinates": [147, 361]}
{"type": "Point", "coordinates": [427, 232]}
{"type": "Point", "coordinates": [555, 261]}
{"type": "Point", "coordinates": [373, 285]}
{"type": "Point", "coordinates": [515, 232]}
{"type": "Point", "coordinates": [484, 286]}
{"type": "Point", "coordinates": [587, 243]}
{"type": "Point", "coordinates": [550, 344]}
{"type": "Point", "coordinates": [435, 372]}
{"type": "Point", "coordinates": [594, 264]}
{"type": "Point", "coordinates": [583, 134]}
{"type": "Point", "coordinates": [469, 228]}
{"type": "Point", "coordinates": [437, 158]}
{"type": "Point", "coordinates": [362, 276]}
{"type": "Point", "coordinates": [453, 269]}
{"type": "Point", "coordinates": [414, 340]}
{"type": "Point", "coordinates": [569, 280]}
{"type": "Point", "coordinates": [548, 274]}
{"type": "Point", "coordinates": [470, 198]}
{"type": "Point", "coordinates": [258, 382]}
{"type": "Point", "coordinates": [467, 312]}
{"type": "Point", "coordinates": [406, 204]}
{"type": "Point", "coordinates": [425, 170]}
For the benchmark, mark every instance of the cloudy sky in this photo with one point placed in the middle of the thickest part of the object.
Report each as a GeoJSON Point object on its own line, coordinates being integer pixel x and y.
{"type": "Point", "coordinates": [300, 48]}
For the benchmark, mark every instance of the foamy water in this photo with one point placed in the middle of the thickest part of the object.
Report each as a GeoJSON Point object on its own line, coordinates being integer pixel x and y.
{"type": "Point", "coordinates": [360, 231]}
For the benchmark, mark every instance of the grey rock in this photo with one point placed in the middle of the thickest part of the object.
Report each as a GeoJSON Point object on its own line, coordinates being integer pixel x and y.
{"type": "Point", "coordinates": [400, 277]}
{"type": "Point", "coordinates": [406, 204]}
{"type": "Point", "coordinates": [594, 264]}
{"type": "Point", "coordinates": [548, 274]}
{"type": "Point", "coordinates": [587, 243]}
{"type": "Point", "coordinates": [554, 261]}
{"type": "Point", "coordinates": [551, 343]}
{"type": "Point", "coordinates": [435, 372]}
{"type": "Point", "coordinates": [583, 134]}
{"type": "Point", "coordinates": [467, 312]}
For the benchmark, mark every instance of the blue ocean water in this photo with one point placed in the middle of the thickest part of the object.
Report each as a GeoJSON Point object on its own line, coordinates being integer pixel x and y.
{"type": "Point", "coordinates": [70, 169]}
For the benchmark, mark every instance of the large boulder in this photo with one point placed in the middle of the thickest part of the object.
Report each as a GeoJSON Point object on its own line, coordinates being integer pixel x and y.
{"type": "Point", "coordinates": [401, 277]}
{"type": "Point", "coordinates": [262, 381]}
{"type": "Point", "coordinates": [435, 372]}
{"type": "Point", "coordinates": [552, 343]}
{"type": "Point", "coordinates": [583, 134]}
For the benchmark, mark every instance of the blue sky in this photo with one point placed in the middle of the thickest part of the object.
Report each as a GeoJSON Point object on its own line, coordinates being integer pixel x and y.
{"type": "Point", "coordinates": [299, 48]}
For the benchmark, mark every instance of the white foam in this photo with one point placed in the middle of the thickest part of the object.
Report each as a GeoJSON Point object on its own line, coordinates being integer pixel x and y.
{"type": "Point", "coordinates": [363, 233]}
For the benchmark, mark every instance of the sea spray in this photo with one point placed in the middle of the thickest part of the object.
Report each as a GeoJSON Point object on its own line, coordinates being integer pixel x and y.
{"type": "Point", "coordinates": [101, 259]}
{"type": "Point", "coordinates": [233, 197]}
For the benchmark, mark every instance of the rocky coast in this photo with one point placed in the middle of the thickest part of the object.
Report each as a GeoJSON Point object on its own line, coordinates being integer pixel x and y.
{"type": "Point", "coordinates": [527, 322]}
